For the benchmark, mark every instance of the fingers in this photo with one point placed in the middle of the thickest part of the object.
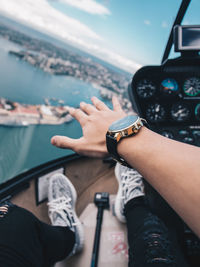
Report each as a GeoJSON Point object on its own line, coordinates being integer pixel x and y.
{"type": "Point", "coordinates": [116, 104]}
{"type": "Point", "coordinates": [99, 104]}
{"type": "Point", "coordinates": [64, 142]}
{"type": "Point", "coordinates": [87, 108]}
{"type": "Point", "coordinates": [78, 114]}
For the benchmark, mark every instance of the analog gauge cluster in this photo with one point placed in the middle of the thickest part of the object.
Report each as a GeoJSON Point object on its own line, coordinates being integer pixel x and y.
{"type": "Point", "coordinates": [177, 112]}
{"type": "Point", "coordinates": [183, 134]}
{"type": "Point", "coordinates": [190, 87]}
{"type": "Point", "coordinates": [147, 88]}
{"type": "Point", "coordinates": [168, 97]}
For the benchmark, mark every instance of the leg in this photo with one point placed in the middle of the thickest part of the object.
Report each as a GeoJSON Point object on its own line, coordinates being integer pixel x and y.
{"type": "Point", "coordinates": [34, 242]}
{"type": "Point", "coordinates": [39, 244]}
{"type": "Point", "coordinates": [57, 242]}
{"type": "Point", "coordinates": [150, 242]}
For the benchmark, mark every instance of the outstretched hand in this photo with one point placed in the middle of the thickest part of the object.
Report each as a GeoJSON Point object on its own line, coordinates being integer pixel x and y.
{"type": "Point", "coordinates": [95, 120]}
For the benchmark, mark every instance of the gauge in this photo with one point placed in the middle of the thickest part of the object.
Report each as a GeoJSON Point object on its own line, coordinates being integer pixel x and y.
{"type": "Point", "coordinates": [169, 86]}
{"type": "Point", "coordinates": [180, 112]}
{"type": "Point", "coordinates": [146, 88]}
{"type": "Point", "coordinates": [155, 113]}
{"type": "Point", "coordinates": [191, 86]}
{"type": "Point", "coordinates": [197, 111]}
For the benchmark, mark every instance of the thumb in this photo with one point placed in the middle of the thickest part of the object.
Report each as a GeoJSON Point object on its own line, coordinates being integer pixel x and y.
{"type": "Point", "coordinates": [64, 142]}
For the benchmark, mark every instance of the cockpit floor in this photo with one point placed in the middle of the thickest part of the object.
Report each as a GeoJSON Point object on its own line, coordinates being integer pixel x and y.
{"type": "Point", "coordinates": [88, 176]}
{"type": "Point", "coordinates": [113, 250]}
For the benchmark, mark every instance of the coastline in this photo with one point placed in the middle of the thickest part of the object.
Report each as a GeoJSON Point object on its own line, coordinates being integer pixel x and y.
{"type": "Point", "coordinates": [16, 114]}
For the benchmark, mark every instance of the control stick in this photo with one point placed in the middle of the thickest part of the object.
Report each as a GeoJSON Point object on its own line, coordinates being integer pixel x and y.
{"type": "Point", "coordinates": [101, 200]}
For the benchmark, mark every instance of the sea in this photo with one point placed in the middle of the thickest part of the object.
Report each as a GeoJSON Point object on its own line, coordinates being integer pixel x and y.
{"type": "Point", "coordinates": [22, 148]}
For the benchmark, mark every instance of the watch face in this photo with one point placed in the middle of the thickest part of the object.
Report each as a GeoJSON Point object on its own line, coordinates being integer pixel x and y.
{"type": "Point", "coordinates": [123, 123]}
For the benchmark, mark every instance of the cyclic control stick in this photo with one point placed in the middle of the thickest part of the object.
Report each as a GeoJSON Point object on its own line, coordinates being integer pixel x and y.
{"type": "Point", "coordinates": [101, 200]}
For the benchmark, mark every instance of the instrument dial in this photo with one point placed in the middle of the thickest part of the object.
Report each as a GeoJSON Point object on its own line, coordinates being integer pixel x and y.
{"type": "Point", "coordinates": [146, 88]}
{"type": "Point", "coordinates": [191, 86]}
{"type": "Point", "coordinates": [169, 86]}
{"type": "Point", "coordinates": [180, 112]}
{"type": "Point", "coordinates": [155, 113]}
{"type": "Point", "coordinates": [197, 111]}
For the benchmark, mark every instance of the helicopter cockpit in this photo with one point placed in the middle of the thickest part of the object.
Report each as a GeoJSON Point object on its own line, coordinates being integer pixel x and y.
{"type": "Point", "coordinates": [52, 58]}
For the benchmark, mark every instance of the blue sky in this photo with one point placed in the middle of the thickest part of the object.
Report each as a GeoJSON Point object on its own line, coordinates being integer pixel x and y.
{"type": "Point", "coordinates": [128, 33]}
{"type": "Point", "coordinates": [136, 29]}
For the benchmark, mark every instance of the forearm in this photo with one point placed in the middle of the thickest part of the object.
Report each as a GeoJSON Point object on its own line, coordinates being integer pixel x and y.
{"type": "Point", "coordinates": [171, 167]}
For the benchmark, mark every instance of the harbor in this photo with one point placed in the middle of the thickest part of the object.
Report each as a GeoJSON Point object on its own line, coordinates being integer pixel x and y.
{"type": "Point", "coordinates": [17, 114]}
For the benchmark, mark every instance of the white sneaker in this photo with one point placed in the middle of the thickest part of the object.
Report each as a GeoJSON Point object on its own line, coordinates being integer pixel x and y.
{"type": "Point", "coordinates": [62, 200]}
{"type": "Point", "coordinates": [130, 186]}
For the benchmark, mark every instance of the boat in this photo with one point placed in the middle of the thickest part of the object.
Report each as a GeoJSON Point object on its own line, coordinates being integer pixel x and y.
{"type": "Point", "coordinates": [167, 95]}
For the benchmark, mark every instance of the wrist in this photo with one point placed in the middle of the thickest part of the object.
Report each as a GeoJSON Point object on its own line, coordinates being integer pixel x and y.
{"type": "Point", "coordinates": [132, 146]}
{"type": "Point", "coordinates": [119, 130]}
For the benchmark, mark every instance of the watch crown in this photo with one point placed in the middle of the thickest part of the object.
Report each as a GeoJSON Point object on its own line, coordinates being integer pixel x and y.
{"type": "Point", "coordinates": [126, 132]}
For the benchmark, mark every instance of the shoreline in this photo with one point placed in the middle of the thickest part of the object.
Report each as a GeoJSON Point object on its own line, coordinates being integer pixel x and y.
{"type": "Point", "coordinates": [16, 114]}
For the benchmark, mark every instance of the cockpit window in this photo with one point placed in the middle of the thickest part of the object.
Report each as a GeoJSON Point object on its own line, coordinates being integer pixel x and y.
{"type": "Point", "coordinates": [56, 53]}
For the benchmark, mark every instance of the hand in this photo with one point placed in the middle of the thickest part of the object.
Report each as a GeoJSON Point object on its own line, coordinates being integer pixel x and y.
{"type": "Point", "coordinates": [95, 120]}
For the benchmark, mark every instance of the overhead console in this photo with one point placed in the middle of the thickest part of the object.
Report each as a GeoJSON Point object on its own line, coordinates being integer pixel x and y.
{"type": "Point", "coordinates": [168, 97]}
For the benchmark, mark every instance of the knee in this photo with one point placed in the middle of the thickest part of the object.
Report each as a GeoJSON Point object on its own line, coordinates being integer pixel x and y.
{"type": "Point", "coordinates": [158, 247]}
{"type": "Point", "coordinates": [4, 208]}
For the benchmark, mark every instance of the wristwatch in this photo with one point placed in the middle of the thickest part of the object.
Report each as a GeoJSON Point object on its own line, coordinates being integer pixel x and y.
{"type": "Point", "coordinates": [125, 127]}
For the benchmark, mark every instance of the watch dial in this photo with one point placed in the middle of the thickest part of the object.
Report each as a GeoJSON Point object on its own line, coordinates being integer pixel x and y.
{"type": "Point", "coordinates": [123, 123]}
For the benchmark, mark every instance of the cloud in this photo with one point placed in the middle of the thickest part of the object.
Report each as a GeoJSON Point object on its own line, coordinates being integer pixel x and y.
{"type": "Point", "coordinates": [89, 6]}
{"type": "Point", "coordinates": [108, 55]}
{"type": "Point", "coordinates": [147, 22]}
{"type": "Point", "coordinates": [40, 15]}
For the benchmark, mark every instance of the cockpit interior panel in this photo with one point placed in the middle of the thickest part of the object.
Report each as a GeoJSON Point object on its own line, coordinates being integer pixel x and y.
{"type": "Point", "coordinates": [168, 97]}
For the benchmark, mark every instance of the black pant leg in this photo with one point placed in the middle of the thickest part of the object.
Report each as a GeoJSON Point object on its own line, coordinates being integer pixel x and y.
{"type": "Point", "coordinates": [57, 242]}
{"type": "Point", "coordinates": [38, 243]}
{"type": "Point", "coordinates": [150, 242]}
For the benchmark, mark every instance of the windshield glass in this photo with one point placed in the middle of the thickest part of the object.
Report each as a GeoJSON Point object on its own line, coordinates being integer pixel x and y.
{"type": "Point", "coordinates": [56, 53]}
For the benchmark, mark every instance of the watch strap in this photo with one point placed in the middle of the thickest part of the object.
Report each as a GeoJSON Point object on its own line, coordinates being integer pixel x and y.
{"type": "Point", "coordinates": [112, 142]}
{"type": "Point", "coordinates": [112, 149]}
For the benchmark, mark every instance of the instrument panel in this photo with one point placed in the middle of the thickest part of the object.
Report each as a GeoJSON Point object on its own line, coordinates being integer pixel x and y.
{"type": "Point", "coordinates": [168, 97]}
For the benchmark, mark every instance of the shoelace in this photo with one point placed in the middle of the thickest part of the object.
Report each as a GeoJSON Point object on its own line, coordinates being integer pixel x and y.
{"type": "Point", "coordinates": [63, 207]}
{"type": "Point", "coordinates": [130, 180]}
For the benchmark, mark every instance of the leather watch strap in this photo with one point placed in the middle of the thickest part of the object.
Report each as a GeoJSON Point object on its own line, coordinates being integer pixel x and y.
{"type": "Point", "coordinates": [112, 149]}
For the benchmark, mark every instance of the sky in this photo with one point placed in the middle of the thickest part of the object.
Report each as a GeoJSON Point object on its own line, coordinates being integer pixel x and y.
{"type": "Point", "coordinates": [128, 34]}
